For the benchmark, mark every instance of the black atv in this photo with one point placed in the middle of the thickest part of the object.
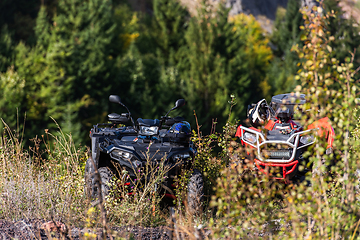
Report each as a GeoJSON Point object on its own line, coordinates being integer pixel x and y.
{"type": "Point", "coordinates": [146, 143]}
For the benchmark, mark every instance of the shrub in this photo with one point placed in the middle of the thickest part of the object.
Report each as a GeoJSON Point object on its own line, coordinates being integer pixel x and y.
{"type": "Point", "coordinates": [325, 205]}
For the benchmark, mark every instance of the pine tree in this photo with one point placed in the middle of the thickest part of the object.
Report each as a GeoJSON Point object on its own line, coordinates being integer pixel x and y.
{"type": "Point", "coordinates": [203, 66]}
{"type": "Point", "coordinates": [136, 82]}
{"type": "Point", "coordinates": [30, 65]}
{"type": "Point", "coordinates": [80, 59]}
{"type": "Point", "coordinates": [72, 60]}
{"type": "Point", "coordinates": [287, 28]}
{"type": "Point", "coordinates": [168, 28]}
{"type": "Point", "coordinates": [218, 61]}
{"type": "Point", "coordinates": [42, 28]}
{"type": "Point", "coordinates": [147, 75]}
{"type": "Point", "coordinates": [19, 17]}
{"type": "Point", "coordinates": [257, 54]}
{"type": "Point", "coordinates": [286, 34]}
{"type": "Point", "coordinates": [170, 21]}
{"type": "Point", "coordinates": [6, 49]}
{"type": "Point", "coordinates": [12, 99]}
{"type": "Point", "coordinates": [345, 31]}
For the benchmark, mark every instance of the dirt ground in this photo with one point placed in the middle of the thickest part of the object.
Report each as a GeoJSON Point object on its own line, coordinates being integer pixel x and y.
{"type": "Point", "coordinates": [38, 229]}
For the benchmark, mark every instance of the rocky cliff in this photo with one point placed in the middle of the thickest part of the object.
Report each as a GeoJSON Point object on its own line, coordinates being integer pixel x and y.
{"type": "Point", "coordinates": [263, 10]}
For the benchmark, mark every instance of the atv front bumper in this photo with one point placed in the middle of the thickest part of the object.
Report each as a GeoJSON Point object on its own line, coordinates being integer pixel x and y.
{"type": "Point", "coordinates": [278, 170]}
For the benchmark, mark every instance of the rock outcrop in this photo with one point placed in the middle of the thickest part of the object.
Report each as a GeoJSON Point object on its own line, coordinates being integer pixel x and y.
{"type": "Point", "coordinates": [263, 10]}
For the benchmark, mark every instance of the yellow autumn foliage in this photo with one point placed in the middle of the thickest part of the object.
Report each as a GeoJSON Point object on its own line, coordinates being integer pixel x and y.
{"type": "Point", "coordinates": [256, 43]}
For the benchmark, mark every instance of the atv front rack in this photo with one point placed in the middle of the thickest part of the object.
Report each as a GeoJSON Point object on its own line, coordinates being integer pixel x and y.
{"type": "Point", "coordinates": [286, 153]}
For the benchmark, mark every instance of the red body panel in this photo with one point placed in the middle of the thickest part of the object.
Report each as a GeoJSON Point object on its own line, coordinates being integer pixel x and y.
{"type": "Point", "coordinates": [325, 130]}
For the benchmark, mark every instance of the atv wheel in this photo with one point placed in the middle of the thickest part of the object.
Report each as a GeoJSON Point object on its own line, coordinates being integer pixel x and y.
{"type": "Point", "coordinates": [195, 192]}
{"type": "Point", "coordinates": [106, 175]}
{"type": "Point", "coordinates": [89, 188]}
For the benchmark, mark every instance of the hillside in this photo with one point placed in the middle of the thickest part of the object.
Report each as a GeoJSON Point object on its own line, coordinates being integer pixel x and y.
{"type": "Point", "coordinates": [84, 165]}
{"type": "Point", "coordinates": [263, 10]}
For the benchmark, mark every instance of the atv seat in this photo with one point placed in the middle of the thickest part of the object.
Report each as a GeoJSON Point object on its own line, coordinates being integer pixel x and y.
{"type": "Point", "coordinates": [117, 118]}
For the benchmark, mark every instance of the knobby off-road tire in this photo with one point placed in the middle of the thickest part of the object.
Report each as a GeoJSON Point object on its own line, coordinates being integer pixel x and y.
{"type": "Point", "coordinates": [195, 195]}
{"type": "Point", "coordinates": [89, 188]}
{"type": "Point", "coordinates": [91, 179]}
{"type": "Point", "coordinates": [106, 175]}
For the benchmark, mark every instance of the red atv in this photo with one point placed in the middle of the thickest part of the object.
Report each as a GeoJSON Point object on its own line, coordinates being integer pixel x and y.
{"type": "Point", "coordinates": [276, 142]}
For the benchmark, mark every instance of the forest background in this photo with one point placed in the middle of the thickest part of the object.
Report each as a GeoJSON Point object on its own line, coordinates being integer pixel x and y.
{"type": "Point", "coordinates": [63, 58]}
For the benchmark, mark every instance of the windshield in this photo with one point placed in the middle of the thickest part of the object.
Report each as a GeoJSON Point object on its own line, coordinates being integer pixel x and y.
{"type": "Point", "coordinates": [289, 101]}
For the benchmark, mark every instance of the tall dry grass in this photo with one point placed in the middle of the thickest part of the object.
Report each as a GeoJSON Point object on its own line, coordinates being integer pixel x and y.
{"type": "Point", "coordinates": [45, 181]}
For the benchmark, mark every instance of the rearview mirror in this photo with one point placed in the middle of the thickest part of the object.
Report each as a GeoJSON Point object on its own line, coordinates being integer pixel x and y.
{"type": "Point", "coordinates": [179, 103]}
{"type": "Point", "coordinates": [115, 99]}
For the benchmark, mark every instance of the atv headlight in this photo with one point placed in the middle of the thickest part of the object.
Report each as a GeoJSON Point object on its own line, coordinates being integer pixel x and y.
{"type": "Point", "coordinates": [182, 156]}
{"type": "Point", "coordinates": [118, 154]}
{"type": "Point", "coordinates": [306, 139]}
{"type": "Point", "coordinates": [137, 163]}
{"type": "Point", "coordinates": [148, 131]}
{"type": "Point", "coordinates": [250, 137]}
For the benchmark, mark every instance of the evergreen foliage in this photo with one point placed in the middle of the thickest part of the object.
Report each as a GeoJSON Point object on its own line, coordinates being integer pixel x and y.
{"type": "Point", "coordinates": [137, 80]}
{"type": "Point", "coordinates": [166, 33]}
{"type": "Point", "coordinates": [71, 63]}
{"type": "Point", "coordinates": [126, 30]}
{"type": "Point", "coordinates": [286, 34]}
{"type": "Point", "coordinates": [170, 21]}
{"type": "Point", "coordinates": [76, 53]}
{"type": "Point", "coordinates": [287, 28]}
{"type": "Point", "coordinates": [345, 31]}
{"type": "Point", "coordinates": [257, 57]}
{"type": "Point", "coordinates": [12, 98]}
{"type": "Point", "coordinates": [204, 65]}
{"type": "Point", "coordinates": [43, 28]}
{"type": "Point", "coordinates": [18, 16]}
{"type": "Point", "coordinates": [6, 49]}
{"type": "Point", "coordinates": [219, 60]}
{"type": "Point", "coordinates": [146, 76]}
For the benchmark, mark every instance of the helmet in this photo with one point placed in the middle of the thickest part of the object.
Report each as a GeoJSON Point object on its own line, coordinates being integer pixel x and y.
{"type": "Point", "coordinates": [259, 113]}
{"type": "Point", "coordinates": [180, 132]}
